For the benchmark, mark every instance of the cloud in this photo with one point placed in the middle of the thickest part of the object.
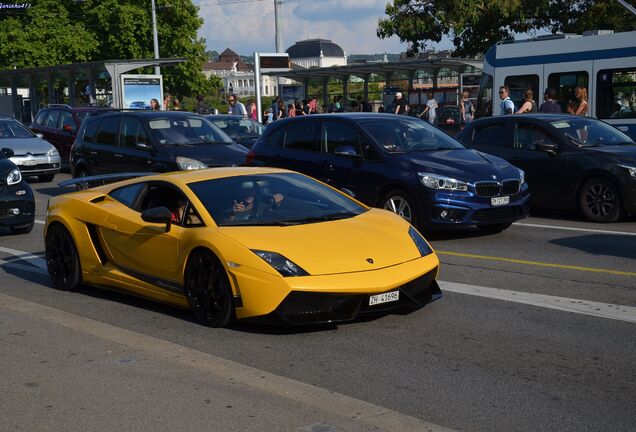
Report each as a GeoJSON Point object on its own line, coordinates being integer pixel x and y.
{"type": "Point", "coordinates": [345, 11]}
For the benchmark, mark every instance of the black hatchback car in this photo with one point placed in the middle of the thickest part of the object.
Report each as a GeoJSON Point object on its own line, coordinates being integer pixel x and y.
{"type": "Point", "coordinates": [571, 162]}
{"type": "Point", "coordinates": [401, 164]}
{"type": "Point", "coordinates": [150, 141]}
{"type": "Point", "coordinates": [17, 205]}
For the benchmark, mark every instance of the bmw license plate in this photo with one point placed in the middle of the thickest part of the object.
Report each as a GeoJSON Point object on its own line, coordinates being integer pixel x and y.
{"type": "Point", "coordinates": [499, 201]}
{"type": "Point", "coordinates": [384, 298]}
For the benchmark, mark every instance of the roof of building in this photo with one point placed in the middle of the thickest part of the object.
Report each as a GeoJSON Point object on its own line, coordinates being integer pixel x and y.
{"type": "Point", "coordinates": [225, 62]}
{"type": "Point", "coordinates": [313, 48]}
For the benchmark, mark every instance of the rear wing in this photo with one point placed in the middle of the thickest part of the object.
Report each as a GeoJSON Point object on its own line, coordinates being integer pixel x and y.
{"type": "Point", "coordinates": [83, 183]}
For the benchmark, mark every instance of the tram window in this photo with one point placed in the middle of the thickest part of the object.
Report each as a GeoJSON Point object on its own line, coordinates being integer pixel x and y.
{"type": "Point", "coordinates": [518, 84]}
{"type": "Point", "coordinates": [616, 93]}
{"type": "Point", "coordinates": [564, 83]}
{"type": "Point", "coordinates": [484, 99]}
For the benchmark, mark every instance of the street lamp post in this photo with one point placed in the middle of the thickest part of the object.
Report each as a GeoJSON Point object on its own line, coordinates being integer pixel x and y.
{"type": "Point", "coordinates": [155, 37]}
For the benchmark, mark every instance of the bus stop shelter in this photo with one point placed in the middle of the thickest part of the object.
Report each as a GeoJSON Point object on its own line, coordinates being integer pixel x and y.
{"type": "Point", "coordinates": [70, 74]}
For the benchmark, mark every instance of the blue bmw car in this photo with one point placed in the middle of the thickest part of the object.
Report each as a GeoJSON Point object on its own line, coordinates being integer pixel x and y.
{"type": "Point", "coordinates": [401, 164]}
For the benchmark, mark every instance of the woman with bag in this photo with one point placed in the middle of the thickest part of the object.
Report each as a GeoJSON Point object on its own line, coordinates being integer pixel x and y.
{"type": "Point", "coordinates": [466, 110]}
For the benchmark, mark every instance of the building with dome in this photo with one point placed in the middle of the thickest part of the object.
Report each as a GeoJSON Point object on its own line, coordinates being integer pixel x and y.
{"type": "Point", "coordinates": [317, 53]}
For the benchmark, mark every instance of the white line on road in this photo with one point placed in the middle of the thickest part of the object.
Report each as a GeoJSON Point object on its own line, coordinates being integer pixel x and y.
{"type": "Point", "coordinates": [40, 222]}
{"type": "Point", "coordinates": [585, 307]}
{"type": "Point", "coordinates": [596, 231]}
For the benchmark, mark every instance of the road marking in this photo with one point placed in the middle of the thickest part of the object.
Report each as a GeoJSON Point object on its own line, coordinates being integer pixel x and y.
{"type": "Point", "coordinates": [537, 263]}
{"type": "Point", "coordinates": [585, 307]}
{"type": "Point", "coordinates": [603, 310]}
{"type": "Point", "coordinates": [372, 416]}
{"type": "Point", "coordinates": [27, 256]}
{"type": "Point", "coordinates": [40, 222]}
{"type": "Point", "coordinates": [574, 229]}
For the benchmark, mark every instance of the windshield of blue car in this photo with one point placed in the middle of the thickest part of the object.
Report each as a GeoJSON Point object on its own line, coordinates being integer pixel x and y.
{"type": "Point", "coordinates": [239, 127]}
{"type": "Point", "coordinates": [185, 131]}
{"type": "Point", "coordinates": [406, 135]}
{"type": "Point", "coordinates": [13, 129]}
{"type": "Point", "coordinates": [586, 132]}
{"type": "Point", "coordinates": [272, 199]}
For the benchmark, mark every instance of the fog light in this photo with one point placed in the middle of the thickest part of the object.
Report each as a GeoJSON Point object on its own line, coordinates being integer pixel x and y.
{"type": "Point", "coordinates": [14, 211]}
{"type": "Point", "coordinates": [20, 192]}
{"type": "Point", "coordinates": [443, 214]}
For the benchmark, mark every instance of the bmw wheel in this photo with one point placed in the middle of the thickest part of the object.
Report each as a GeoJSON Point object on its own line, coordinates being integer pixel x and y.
{"type": "Point", "coordinates": [600, 201]}
{"type": "Point", "coordinates": [401, 203]}
{"type": "Point", "coordinates": [62, 260]}
{"type": "Point", "coordinates": [208, 290]}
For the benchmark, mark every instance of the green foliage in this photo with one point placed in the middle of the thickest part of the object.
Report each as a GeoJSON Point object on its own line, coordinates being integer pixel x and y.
{"type": "Point", "coordinates": [475, 25]}
{"type": "Point", "coordinates": [54, 32]}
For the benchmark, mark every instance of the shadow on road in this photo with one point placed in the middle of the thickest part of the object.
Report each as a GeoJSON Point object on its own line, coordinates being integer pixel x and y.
{"type": "Point", "coordinates": [601, 245]}
{"type": "Point", "coordinates": [53, 190]}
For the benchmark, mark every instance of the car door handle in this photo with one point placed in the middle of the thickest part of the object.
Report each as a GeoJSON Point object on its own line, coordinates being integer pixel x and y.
{"type": "Point", "coordinates": [119, 155]}
{"type": "Point", "coordinates": [93, 153]}
{"type": "Point", "coordinates": [324, 165]}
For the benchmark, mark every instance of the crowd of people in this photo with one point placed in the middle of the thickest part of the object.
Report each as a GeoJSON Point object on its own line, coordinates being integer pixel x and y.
{"type": "Point", "coordinates": [576, 106]}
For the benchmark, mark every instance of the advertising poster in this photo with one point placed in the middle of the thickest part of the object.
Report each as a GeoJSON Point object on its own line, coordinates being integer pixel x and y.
{"type": "Point", "coordinates": [289, 93]}
{"type": "Point", "coordinates": [138, 90]}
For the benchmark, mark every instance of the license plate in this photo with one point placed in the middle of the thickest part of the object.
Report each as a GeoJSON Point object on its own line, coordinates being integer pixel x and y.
{"type": "Point", "coordinates": [499, 201]}
{"type": "Point", "coordinates": [384, 298]}
{"type": "Point", "coordinates": [29, 162]}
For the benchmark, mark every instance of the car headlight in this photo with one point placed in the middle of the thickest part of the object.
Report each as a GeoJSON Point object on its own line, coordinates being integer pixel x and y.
{"type": "Point", "coordinates": [189, 164]}
{"type": "Point", "coordinates": [439, 182]}
{"type": "Point", "coordinates": [52, 152]}
{"type": "Point", "coordinates": [630, 170]}
{"type": "Point", "coordinates": [15, 176]}
{"type": "Point", "coordinates": [420, 243]}
{"type": "Point", "coordinates": [522, 177]}
{"type": "Point", "coordinates": [281, 264]}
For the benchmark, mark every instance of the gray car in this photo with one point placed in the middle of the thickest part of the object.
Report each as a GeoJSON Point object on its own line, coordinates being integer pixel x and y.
{"type": "Point", "coordinates": [33, 155]}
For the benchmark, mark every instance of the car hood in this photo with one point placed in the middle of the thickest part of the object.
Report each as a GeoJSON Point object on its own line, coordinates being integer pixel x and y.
{"type": "Point", "coordinates": [622, 153]}
{"type": "Point", "coordinates": [22, 146]}
{"type": "Point", "coordinates": [340, 246]}
{"type": "Point", "coordinates": [5, 166]}
{"type": "Point", "coordinates": [463, 164]}
{"type": "Point", "coordinates": [210, 154]}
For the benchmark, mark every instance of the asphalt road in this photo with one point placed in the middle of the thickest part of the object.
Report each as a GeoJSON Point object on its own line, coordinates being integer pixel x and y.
{"type": "Point", "coordinates": [558, 353]}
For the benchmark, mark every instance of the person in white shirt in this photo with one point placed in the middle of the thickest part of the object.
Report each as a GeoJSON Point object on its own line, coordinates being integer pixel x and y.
{"type": "Point", "coordinates": [236, 107]}
{"type": "Point", "coordinates": [430, 112]}
{"type": "Point", "coordinates": [507, 105]}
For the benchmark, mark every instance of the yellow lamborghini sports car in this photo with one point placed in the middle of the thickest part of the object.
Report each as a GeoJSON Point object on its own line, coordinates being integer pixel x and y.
{"type": "Point", "coordinates": [240, 243]}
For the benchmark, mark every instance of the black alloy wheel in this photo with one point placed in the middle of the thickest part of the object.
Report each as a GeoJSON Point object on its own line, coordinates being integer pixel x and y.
{"type": "Point", "coordinates": [600, 201]}
{"type": "Point", "coordinates": [62, 260]}
{"type": "Point", "coordinates": [493, 228]}
{"type": "Point", "coordinates": [208, 290]}
{"type": "Point", "coordinates": [400, 203]}
{"type": "Point", "coordinates": [22, 230]}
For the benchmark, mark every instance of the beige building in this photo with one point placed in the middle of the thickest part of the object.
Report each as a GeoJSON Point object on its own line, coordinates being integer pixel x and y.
{"type": "Point", "coordinates": [313, 53]}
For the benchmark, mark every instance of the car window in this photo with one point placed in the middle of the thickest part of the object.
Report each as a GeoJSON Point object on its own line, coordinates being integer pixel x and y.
{"type": "Point", "coordinates": [341, 138]}
{"type": "Point", "coordinates": [67, 120]}
{"type": "Point", "coordinates": [527, 136]}
{"type": "Point", "coordinates": [241, 127]}
{"type": "Point", "coordinates": [303, 135]}
{"type": "Point", "coordinates": [107, 131]}
{"type": "Point", "coordinates": [132, 133]}
{"type": "Point", "coordinates": [587, 132]}
{"type": "Point", "coordinates": [490, 135]}
{"type": "Point", "coordinates": [182, 130]}
{"type": "Point", "coordinates": [160, 194]}
{"type": "Point", "coordinates": [127, 195]}
{"type": "Point", "coordinates": [275, 139]}
{"type": "Point", "coordinates": [51, 119]}
{"type": "Point", "coordinates": [40, 117]}
{"type": "Point", "coordinates": [90, 130]}
{"type": "Point", "coordinates": [13, 129]}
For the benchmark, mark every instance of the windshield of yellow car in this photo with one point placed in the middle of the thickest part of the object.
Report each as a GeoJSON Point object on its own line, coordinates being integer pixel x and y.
{"type": "Point", "coordinates": [272, 199]}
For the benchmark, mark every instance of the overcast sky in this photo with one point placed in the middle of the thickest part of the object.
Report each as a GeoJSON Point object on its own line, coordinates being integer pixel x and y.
{"type": "Point", "coordinates": [247, 26]}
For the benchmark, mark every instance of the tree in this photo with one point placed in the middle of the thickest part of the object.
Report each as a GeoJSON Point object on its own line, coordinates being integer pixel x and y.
{"type": "Point", "coordinates": [475, 25]}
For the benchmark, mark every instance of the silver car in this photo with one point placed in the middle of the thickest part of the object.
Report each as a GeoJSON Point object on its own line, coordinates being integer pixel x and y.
{"type": "Point", "coordinates": [33, 155]}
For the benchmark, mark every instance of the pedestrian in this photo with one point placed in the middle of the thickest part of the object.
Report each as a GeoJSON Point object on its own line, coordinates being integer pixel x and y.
{"type": "Point", "coordinates": [236, 107]}
{"type": "Point", "coordinates": [507, 105]}
{"type": "Point", "coordinates": [254, 112]}
{"type": "Point", "coordinates": [401, 107]}
{"type": "Point", "coordinates": [200, 107]}
{"type": "Point", "coordinates": [466, 110]}
{"type": "Point", "coordinates": [549, 106]}
{"type": "Point", "coordinates": [269, 116]}
{"type": "Point", "coordinates": [167, 102]}
{"type": "Point", "coordinates": [176, 106]}
{"type": "Point", "coordinates": [580, 101]}
{"type": "Point", "coordinates": [380, 109]}
{"type": "Point", "coordinates": [291, 110]}
{"type": "Point", "coordinates": [529, 106]}
{"type": "Point", "coordinates": [248, 107]}
{"type": "Point", "coordinates": [298, 108]}
{"type": "Point", "coordinates": [430, 111]}
{"type": "Point", "coordinates": [282, 112]}
{"type": "Point", "coordinates": [275, 107]}
{"type": "Point", "coordinates": [154, 105]}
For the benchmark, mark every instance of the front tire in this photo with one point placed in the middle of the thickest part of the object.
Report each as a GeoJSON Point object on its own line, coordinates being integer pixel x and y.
{"type": "Point", "coordinates": [600, 201]}
{"type": "Point", "coordinates": [62, 260]}
{"type": "Point", "coordinates": [208, 290]}
{"type": "Point", "coordinates": [400, 202]}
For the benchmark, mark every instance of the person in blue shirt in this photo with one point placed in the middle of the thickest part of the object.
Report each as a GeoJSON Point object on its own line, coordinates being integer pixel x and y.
{"type": "Point", "coordinates": [507, 105]}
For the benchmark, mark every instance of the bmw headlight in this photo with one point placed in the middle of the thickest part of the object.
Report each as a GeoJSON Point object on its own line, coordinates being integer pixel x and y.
{"type": "Point", "coordinates": [420, 243]}
{"type": "Point", "coordinates": [189, 164]}
{"type": "Point", "coordinates": [52, 153]}
{"type": "Point", "coordinates": [15, 176]}
{"type": "Point", "coordinates": [281, 264]}
{"type": "Point", "coordinates": [522, 177]}
{"type": "Point", "coordinates": [433, 181]}
{"type": "Point", "coordinates": [631, 170]}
